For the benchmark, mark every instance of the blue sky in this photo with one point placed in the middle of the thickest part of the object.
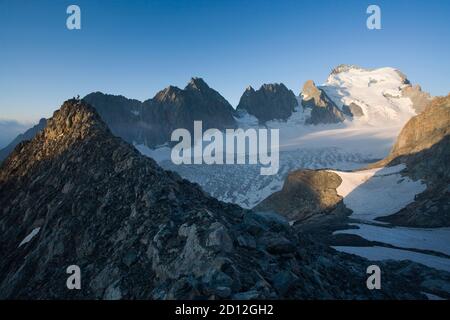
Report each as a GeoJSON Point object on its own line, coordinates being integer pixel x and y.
{"type": "Point", "coordinates": [136, 48]}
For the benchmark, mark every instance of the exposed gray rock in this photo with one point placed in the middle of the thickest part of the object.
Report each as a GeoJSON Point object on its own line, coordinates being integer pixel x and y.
{"type": "Point", "coordinates": [346, 67]}
{"type": "Point", "coordinates": [323, 109]}
{"type": "Point", "coordinates": [352, 110]}
{"type": "Point", "coordinates": [283, 281]}
{"type": "Point", "coordinates": [122, 115]}
{"type": "Point", "coordinates": [305, 193]}
{"type": "Point", "coordinates": [151, 122]}
{"type": "Point", "coordinates": [248, 295]}
{"type": "Point", "coordinates": [219, 238]}
{"type": "Point", "coordinates": [279, 246]}
{"type": "Point", "coordinates": [269, 102]}
{"type": "Point", "coordinates": [174, 108]}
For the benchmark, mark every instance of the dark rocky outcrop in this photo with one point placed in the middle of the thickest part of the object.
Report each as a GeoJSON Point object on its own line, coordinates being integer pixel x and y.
{"type": "Point", "coordinates": [120, 113]}
{"type": "Point", "coordinates": [174, 108]}
{"type": "Point", "coordinates": [323, 109]}
{"type": "Point", "coordinates": [269, 102]}
{"type": "Point", "coordinates": [352, 110]}
{"type": "Point", "coordinates": [27, 135]}
{"type": "Point", "coordinates": [139, 232]}
{"type": "Point", "coordinates": [305, 193]}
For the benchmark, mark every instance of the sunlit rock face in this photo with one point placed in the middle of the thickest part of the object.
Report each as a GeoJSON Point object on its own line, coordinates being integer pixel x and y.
{"type": "Point", "coordinates": [323, 109]}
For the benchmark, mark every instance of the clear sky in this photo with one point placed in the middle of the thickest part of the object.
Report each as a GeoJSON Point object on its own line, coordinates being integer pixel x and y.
{"type": "Point", "coordinates": [136, 48]}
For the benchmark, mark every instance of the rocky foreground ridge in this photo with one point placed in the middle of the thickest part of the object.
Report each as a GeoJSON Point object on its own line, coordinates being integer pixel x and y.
{"type": "Point", "coordinates": [76, 194]}
{"type": "Point", "coordinates": [152, 122]}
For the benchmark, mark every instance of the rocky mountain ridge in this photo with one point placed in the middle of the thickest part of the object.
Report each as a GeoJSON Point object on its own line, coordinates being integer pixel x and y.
{"type": "Point", "coordinates": [151, 122]}
{"type": "Point", "coordinates": [323, 109]}
{"type": "Point", "coordinates": [269, 102]}
{"type": "Point", "coordinates": [362, 95]}
{"type": "Point", "coordinates": [76, 194]}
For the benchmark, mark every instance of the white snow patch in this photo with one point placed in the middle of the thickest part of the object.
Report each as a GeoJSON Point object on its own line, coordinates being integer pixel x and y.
{"type": "Point", "coordinates": [30, 236]}
{"type": "Point", "coordinates": [437, 239]}
{"type": "Point", "coordinates": [377, 92]}
{"type": "Point", "coordinates": [432, 296]}
{"type": "Point", "coordinates": [350, 136]}
{"type": "Point", "coordinates": [382, 253]}
{"type": "Point", "coordinates": [377, 192]}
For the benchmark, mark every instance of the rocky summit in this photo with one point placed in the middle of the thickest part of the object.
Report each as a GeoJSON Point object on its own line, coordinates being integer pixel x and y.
{"type": "Point", "coordinates": [174, 108]}
{"type": "Point", "coordinates": [269, 102]}
{"type": "Point", "coordinates": [151, 122]}
{"type": "Point", "coordinates": [77, 195]}
{"type": "Point", "coordinates": [323, 109]}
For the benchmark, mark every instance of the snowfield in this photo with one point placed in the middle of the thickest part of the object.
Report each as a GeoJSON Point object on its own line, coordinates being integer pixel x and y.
{"type": "Point", "coordinates": [382, 253]}
{"type": "Point", "coordinates": [424, 239]}
{"type": "Point", "coordinates": [377, 192]}
{"type": "Point", "coordinates": [384, 191]}
{"type": "Point", "coordinates": [377, 92]}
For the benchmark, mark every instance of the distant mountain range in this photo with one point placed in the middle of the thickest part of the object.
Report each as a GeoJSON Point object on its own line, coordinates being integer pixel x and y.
{"type": "Point", "coordinates": [351, 93]}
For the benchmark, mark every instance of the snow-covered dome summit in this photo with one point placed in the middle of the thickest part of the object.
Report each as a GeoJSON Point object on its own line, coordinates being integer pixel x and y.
{"type": "Point", "coordinates": [379, 93]}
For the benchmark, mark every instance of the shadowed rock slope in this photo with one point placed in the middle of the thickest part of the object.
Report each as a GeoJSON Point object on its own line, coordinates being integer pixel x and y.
{"type": "Point", "coordinates": [270, 102]}
{"type": "Point", "coordinates": [152, 122]}
{"type": "Point", "coordinates": [323, 109]}
{"type": "Point", "coordinates": [76, 194]}
{"type": "Point", "coordinates": [424, 146]}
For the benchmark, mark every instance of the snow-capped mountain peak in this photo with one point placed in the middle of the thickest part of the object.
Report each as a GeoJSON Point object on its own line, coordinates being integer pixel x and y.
{"type": "Point", "coordinates": [379, 93]}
